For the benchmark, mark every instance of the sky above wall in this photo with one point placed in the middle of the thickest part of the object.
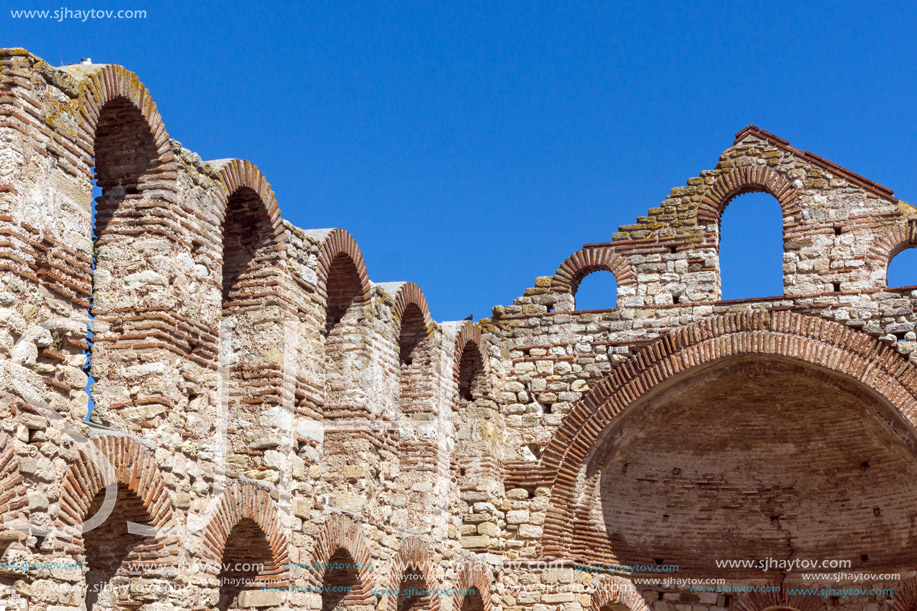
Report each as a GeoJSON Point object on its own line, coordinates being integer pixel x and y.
{"type": "Point", "coordinates": [471, 147]}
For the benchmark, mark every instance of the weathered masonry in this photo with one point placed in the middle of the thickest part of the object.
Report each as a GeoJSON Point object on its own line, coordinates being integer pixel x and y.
{"type": "Point", "coordinates": [272, 429]}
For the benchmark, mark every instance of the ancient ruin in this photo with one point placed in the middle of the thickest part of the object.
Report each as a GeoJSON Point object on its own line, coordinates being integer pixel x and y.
{"type": "Point", "coordinates": [272, 429]}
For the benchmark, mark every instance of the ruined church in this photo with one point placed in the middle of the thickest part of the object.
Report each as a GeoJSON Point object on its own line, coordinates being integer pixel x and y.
{"type": "Point", "coordinates": [272, 428]}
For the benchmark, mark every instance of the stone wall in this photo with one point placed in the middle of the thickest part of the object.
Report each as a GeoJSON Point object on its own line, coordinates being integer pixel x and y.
{"type": "Point", "coordinates": [272, 429]}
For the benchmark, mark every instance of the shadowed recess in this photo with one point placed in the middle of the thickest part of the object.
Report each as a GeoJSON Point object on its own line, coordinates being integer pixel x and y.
{"type": "Point", "coordinates": [473, 601]}
{"type": "Point", "coordinates": [247, 236]}
{"type": "Point", "coordinates": [113, 554]}
{"type": "Point", "coordinates": [471, 368]}
{"type": "Point", "coordinates": [124, 152]}
{"type": "Point", "coordinates": [413, 348]}
{"type": "Point", "coordinates": [246, 556]}
{"type": "Point", "coordinates": [412, 591]}
{"type": "Point", "coordinates": [755, 457]}
{"type": "Point", "coordinates": [341, 584]}
{"type": "Point", "coordinates": [344, 291]}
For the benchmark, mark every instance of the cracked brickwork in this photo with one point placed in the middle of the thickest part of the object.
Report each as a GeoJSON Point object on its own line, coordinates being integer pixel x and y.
{"type": "Point", "coordinates": [274, 430]}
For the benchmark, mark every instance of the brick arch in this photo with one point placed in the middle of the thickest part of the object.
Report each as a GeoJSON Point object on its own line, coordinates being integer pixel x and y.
{"type": "Point", "coordinates": [254, 276]}
{"type": "Point", "coordinates": [748, 179]}
{"type": "Point", "coordinates": [133, 467]}
{"type": "Point", "coordinates": [12, 493]}
{"type": "Point", "coordinates": [236, 174]}
{"type": "Point", "coordinates": [905, 598]}
{"type": "Point", "coordinates": [341, 533]}
{"type": "Point", "coordinates": [413, 553]}
{"type": "Point", "coordinates": [468, 332]}
{"type": "Point", "coordinates": [588, 260]}
{"type": "Point", "coordinates": [471, 455]}
{"type": "Point", "coordinates": [404, 295]}
{"type": "Point", "coordinates": [889, 243]}
{"type": "Point", "coordinates": [253, 502]}
{"type": "Point", "coordinates": [335, 242]}
{"type": "Point", "coordinates": [778, 600]}
{"type": "Point", "coordinates": [469, 337]}
{"type": "Point", "coordinates": [817, 341]}
{"type": "Point", "coordinates": [470, 576]}
{"type": "Point", "coordinates": [413, 329]}
{"type": "Point", "coordinates": [343, 288]}
{"type": "Point", "coordinates": [613, 590]}
{"type": "Point", "coordinates": [120, 141]}
{"type": "Point", "coordinates": [104, 83]}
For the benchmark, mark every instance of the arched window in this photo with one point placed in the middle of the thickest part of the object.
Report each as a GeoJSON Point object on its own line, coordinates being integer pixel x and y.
{"type": "Point", "coordinates": [902, 270]}
{"type": "Point", "coordinates": [751, 247]}
{"type": "Point", "coordinates": [125, 151]}
{"type": "Point", "coordinates": [344, 292]}
{"type": "Point", "coordinates": [597, 290]}
{"type": "Point", "coordinates": [246, 566]}
{"type": "Point", "coordinates": [129, 530]}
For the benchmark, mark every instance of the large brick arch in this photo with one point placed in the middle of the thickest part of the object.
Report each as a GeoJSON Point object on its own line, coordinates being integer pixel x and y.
{"type": "Point", "coordinates": [334, 243]}
{"type": "Point", "coordinates": [613, 590]}
{"type": "Point", "coordinates": [253, 502]}
{"type": "Point", "coordinates": [816, 341]}
{"type": "Point", "coordinates": [779, 598]}
{"type": "Point", "coordinates": [472, 576]}
{"type": "Point", "coordinates": [414, 553]}
{"type": "Point", "coordinates": [133, 467]}
{"type": "Point", "coordinates": [748, 179]}
{"type": "Point", "coordinates": [588, 260]}
{"type": "Point", "coordinates": [104, 83]}
{"type": "Point", "coordinates": [121, 140]}
{"type": "Point", "coordinates": [135, 147]}
{"type": "Point", "coordinates": [342, 533]}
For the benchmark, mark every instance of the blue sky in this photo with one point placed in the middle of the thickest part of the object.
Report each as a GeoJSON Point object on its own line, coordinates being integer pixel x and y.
{"type": "Point", "coordinates": [470, 147]}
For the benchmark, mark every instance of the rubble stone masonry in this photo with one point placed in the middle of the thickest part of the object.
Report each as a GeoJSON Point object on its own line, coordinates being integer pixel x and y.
{"type": "Point", "coordinates": [272, 429]}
